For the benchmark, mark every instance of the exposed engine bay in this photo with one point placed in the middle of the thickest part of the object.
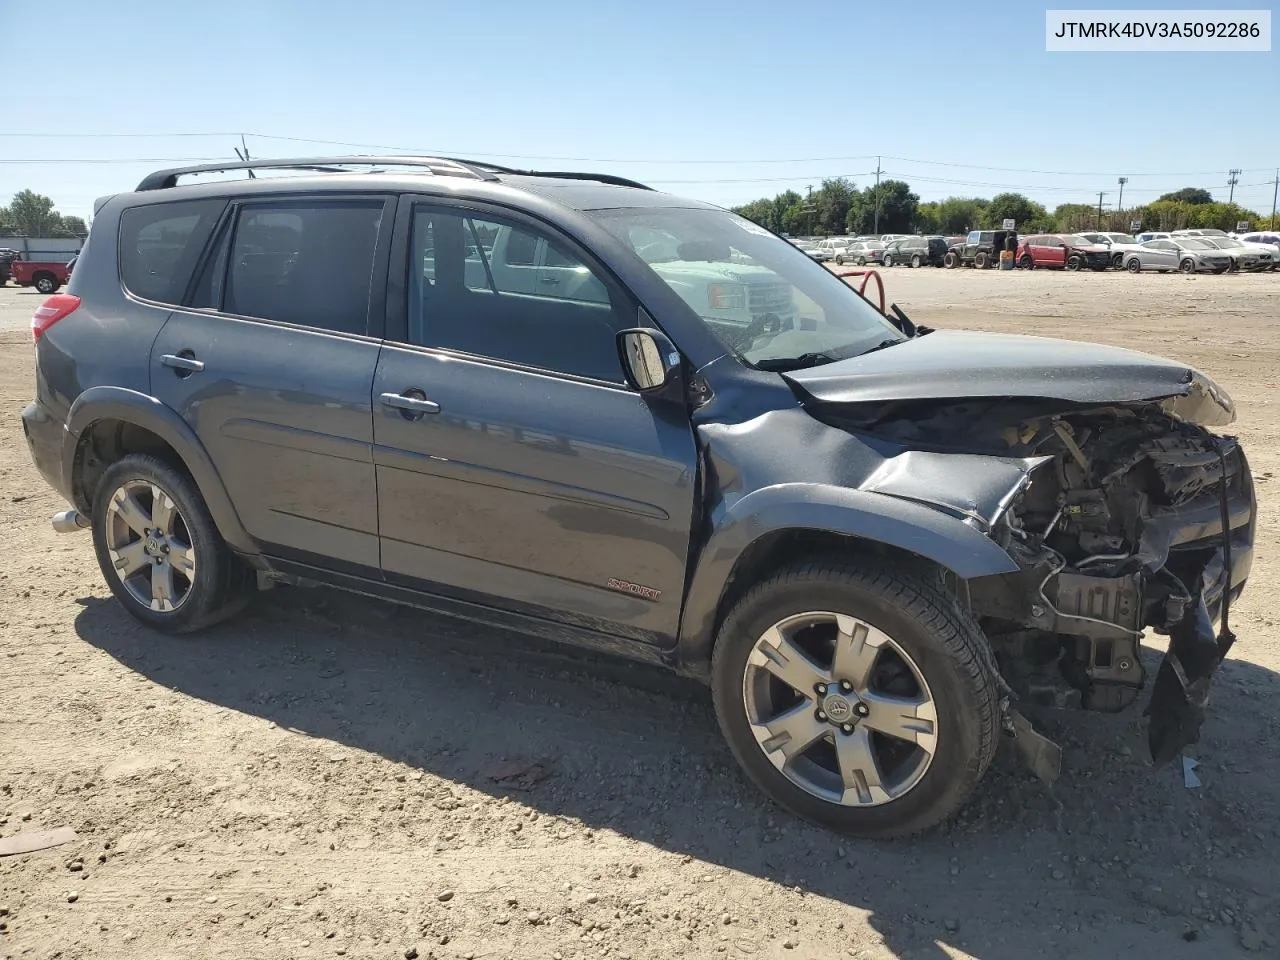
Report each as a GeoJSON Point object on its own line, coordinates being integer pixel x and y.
{"type": "Point", "coordinates": [1120, 529]}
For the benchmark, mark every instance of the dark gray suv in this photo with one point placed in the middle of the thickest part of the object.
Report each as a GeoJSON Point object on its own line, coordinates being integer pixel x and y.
{"type": "Point", "coordinates": [574, 406]}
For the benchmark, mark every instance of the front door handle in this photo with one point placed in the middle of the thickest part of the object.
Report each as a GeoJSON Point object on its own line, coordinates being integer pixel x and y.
{"type": "Point", "coordinates": [409, 404]}
{"type": "Point", "coordinates": [182, 363]}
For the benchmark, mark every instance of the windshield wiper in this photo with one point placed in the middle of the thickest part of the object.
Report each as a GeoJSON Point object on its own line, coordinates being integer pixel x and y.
{"type": "Point", "coordinates": [881, 345]}
{"type": "Point", "coordinates": [795, 363]}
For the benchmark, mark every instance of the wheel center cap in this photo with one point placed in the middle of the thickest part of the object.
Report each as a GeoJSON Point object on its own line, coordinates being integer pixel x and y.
{"type": "Point", "coordinates": [152, 546]}
{"type": "Point", "coordinates": [837, 708]}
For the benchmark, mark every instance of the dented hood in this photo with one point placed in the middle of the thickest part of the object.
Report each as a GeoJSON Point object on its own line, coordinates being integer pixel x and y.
{"type": "Point", "coordinates": [954, 364]}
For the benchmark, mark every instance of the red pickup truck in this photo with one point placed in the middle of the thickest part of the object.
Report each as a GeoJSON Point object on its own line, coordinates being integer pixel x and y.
{"type": "Point", "coordinates": [45, 275]}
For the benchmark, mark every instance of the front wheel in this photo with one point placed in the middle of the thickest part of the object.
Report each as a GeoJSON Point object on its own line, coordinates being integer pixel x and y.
{"type": "Point", "coordinates": [1074, 263]}
{"type": "Point", "coordinates": [159, 550]}
{"type": "Point", "coordinates": [839, 261]}
{"type": "Point", "coordinates": [1026, 263]}
{"type": "Point", "coordinates": [951, 260]}
{"type": "Point", "coordinates": [1187, 266]}
{"type": "Point", "coordinates": [857, 697]}
{"type": "Point", "coordinates": [862, 261]}
{"type": "Point", "coordinates": [888, 260]}
{"type": "Point", "coordinates": [1117, 260]}
{"type": "Point", "coordinates": [1135, 265]}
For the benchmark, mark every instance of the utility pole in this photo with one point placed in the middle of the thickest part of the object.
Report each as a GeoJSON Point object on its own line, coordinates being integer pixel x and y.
{"type": "Point", "coordinates": [1233, 177]}
{"type": "Point", "coordinates": [876, 229]}
{"type": "Point", "coordinates": [1101, 194]}
{"type": "Point", "coordinates": [1120, 199]}
{"type": "Point", "coordinates": [1275, 189]}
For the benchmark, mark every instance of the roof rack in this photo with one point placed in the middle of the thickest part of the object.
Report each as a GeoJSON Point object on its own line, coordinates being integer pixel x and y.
{"type": "Point", "coordinates": [560, 174]}
{"type": "Point", "coordinates": [442, 166]}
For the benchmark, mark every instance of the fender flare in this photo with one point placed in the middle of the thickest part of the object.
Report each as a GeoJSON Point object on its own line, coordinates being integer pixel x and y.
{"type": "Point", "coordinates": [140, 409]}
{"type": "Point", "coordinates": [910, 526]}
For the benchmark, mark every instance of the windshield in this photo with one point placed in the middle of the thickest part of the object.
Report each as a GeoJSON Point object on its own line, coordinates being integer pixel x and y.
{"type": "Point", "coordinates": [1224, 243]}
{"type": "Point", "coordinates": [1194, 243]}
{"type": "Point", "coordinates": [763, 299]}
{"type": "Point", "coordinates": [1079, 239]}
{"type": "Point", "coordinates": [1120, 238]}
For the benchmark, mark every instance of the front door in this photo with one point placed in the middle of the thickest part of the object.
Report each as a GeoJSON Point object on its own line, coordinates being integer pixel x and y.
{"type": "Point", "coordinates": [514, 466]}
{"type": "Point", "coordinates": [271, 364]}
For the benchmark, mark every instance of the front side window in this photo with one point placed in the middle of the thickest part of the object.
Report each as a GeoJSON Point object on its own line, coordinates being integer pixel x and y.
{"type": "Point", "coordinates": [308, 263]}
{"type": "Point", "coordinates": [508, 291]}
{"type": "Point", "coordinates": [763, 299]}
{"type": "Point", "coordinates": [159, 246]}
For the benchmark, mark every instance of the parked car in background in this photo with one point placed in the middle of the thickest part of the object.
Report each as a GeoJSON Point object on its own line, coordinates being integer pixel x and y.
{"type": "Point", "coordinates": [1117, 243]}
{"type": "Point", "coordinates": [45, 275]}
{"type": "Point", "coordinates": [1152, 235]}
{"type": "Point", "coordinates": [1063, 251]}
{"type": "Point", "coordinates": [7, 256]}
{"type": "Point", "coordinates": [981, 248]}
{"type": "Point", "coordinates": [862, 253]}
{"type": "Point", "coordinates": [1267, 238]}
{"type": "Point", "coordinates": [916, 252]}
{"type": "Point", "coordinates": [1199, 232]}
{"type": "Point", "coordinates": [811, 250]}
{"type": "Point", "coordinates": [1249, 257]}
{"type": "Point", "coordinates": [834, 246]}
{"type": "Point", "coordinates": [1184, 254]}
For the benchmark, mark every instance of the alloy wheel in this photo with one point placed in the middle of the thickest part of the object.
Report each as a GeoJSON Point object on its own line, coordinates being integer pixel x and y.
{"type": "Point", "coordinates": [840, 709]}
{"type": "Point", "coordinates": [150, 545]}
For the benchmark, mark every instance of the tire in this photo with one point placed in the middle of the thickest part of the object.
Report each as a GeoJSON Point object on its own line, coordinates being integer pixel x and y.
{"type": "Point", "coordinates": [47, 283]}
{"type": "Point", "coordinates": [915, 261]}
{"type": "Point", "coordinates": [1187, 266]}
{"type": "Point", "coordinates": [219, 586]}
{"type": "Point", "coordinates": [980, 260]}
{"type": "Point", "coordinates": [1074, 263]}
{"type": "Point", "coordinates": [950, 261]}
{"type": "Point", "coordinates": [926, 637]}
{"type": "Point", "coordinates": [839, 261]}
{"type": "Point", "coordinates": [1026, 262]}
{"type": "Point", "coordinates": [1117, 261]}
{"type": "Point", "coordinates": [888, 260]}
{"type": "Point", "coordinates": [1134, 265]}
{"type": "Point", "coordinates": [862, 261]}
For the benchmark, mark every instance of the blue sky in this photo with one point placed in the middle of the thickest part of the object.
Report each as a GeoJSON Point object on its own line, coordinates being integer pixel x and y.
{"type": "Point", "coordinates": [726, 101]}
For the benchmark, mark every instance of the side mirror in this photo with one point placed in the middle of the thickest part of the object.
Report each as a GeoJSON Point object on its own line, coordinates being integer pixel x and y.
{"type": "Point", "coordinates": [649, 359]}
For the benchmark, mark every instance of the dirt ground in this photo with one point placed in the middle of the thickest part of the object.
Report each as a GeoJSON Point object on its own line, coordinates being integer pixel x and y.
{"type": "Point", "coordinates": [328, 777]}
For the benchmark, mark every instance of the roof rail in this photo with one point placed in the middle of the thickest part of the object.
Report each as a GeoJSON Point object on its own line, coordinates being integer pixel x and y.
{"type": "Point", "coordinates": [560, 174]}
{"type": "Point", "coordinates": [441, 166]}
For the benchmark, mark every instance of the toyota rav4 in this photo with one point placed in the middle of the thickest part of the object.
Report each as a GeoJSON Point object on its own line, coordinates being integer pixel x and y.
{"type": "Point", "coordinates": [580, 408]}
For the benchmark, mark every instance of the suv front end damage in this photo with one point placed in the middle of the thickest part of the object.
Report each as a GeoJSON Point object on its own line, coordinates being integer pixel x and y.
{"type": "Point", "coordinates": [1137, 521]}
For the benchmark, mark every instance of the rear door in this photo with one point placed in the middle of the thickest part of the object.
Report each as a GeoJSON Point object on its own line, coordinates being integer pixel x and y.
{"type": "Point", "coordinates": [515, 468]}
{"type": "Point", "coordinates": [1159, 255]}
{"type": "Point", "coordinates": [271, 363]}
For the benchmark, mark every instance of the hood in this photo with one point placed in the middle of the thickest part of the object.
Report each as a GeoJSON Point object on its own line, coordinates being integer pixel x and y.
{"type": "Point", "coordinates": [712, 270]}
{"type": "Point", "coordinates": [955, 364]}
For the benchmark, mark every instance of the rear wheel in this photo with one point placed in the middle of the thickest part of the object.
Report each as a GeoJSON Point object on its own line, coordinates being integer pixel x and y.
{"type": "Point", "coordinates": [1187, 266]}
{"type": "Point", "coordinates": [1134, 265]}
{"type": "Point", "coordinates": [915, 260]}
{"type": "Point", "coordinates": [1117, 260]}
{"type": "Point", "coordinates": [46, 283]}
{"type": "Point", "coordinates": [839, 260]}
{"type": "Point", "coordinates": [980, 260]}
{"type": "Point", "coordinates": [888, 260]}
{"type": "Point", "coordinates": [856, 697]}
{"type": "Point", "coordinates": [862, 261]}
{"type": "Point", "coordinates": [159, 550]}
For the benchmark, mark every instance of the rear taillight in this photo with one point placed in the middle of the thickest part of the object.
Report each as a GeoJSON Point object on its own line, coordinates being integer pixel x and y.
{"type": "Point", "coordinates": [51, 311]}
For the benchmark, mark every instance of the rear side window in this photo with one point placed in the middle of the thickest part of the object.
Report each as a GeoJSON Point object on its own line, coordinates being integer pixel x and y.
{"type": "Point", "coordinates": [160, 244]}
{"type": "Point", "coordinates": [309, 263]}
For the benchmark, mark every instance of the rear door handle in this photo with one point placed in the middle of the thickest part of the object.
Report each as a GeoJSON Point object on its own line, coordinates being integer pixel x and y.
{"type": "Point", "coordinates": [409, 404]}
{"type": "Point", "coordinates": [189, 364]}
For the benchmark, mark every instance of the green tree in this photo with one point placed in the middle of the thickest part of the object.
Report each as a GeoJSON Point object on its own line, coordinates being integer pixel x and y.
{"type": "Point", "coordinates": [33, 215]}
{"type": "Point", "coordinates": [896, 205]}
{"type": "Point", "coordinates": [927, 217]}
{"type": "Point", "coordinates": [960, 214]}
{"type": "Point", "coordinates": [833, 200]}
{"type": "Point", "coordinates": [1029, 216]}
{"type": "Point", "coordinates": [73, 227]}
{"type": "Point", "coordinates": [1191, 195]}
{"type": "Point", "coordinates": [1075, 217]}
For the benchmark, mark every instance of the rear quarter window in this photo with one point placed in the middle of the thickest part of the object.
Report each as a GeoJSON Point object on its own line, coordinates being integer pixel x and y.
{"type": "Point", "coordinates": [160, 244]}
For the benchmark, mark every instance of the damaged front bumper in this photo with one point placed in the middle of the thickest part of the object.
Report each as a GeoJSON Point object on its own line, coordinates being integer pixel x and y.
{"type": "Point", "coordinates": [1164, 540]}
